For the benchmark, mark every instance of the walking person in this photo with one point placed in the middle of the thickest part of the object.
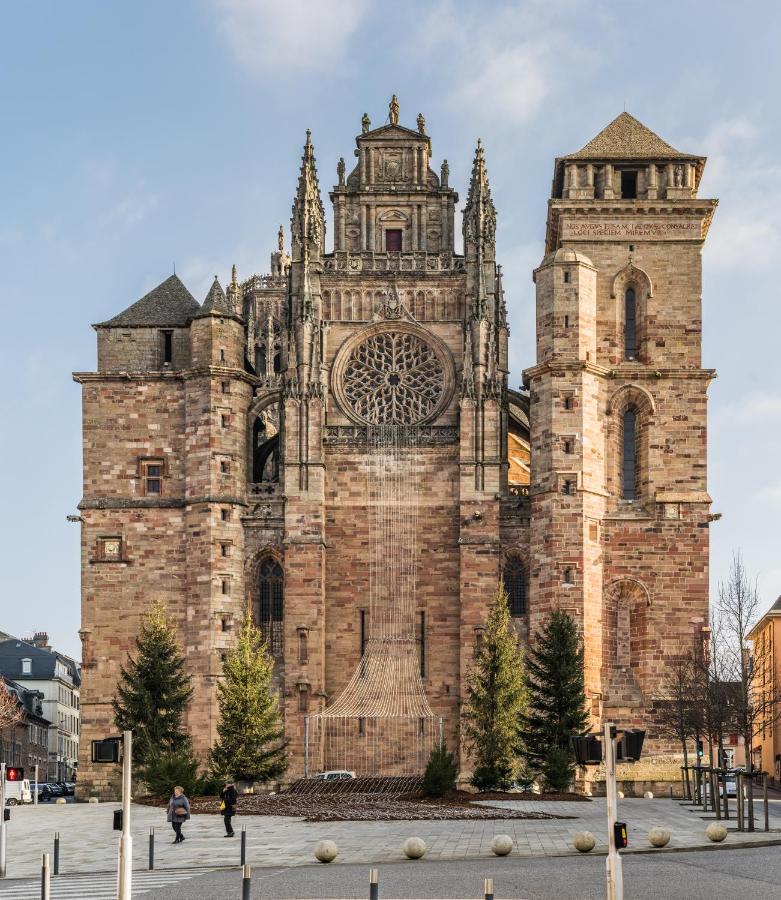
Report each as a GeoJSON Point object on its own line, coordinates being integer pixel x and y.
{"type": "Point", "coordinates": [228, 797]}
{"type": "Point", "coordinates": [178, 812]}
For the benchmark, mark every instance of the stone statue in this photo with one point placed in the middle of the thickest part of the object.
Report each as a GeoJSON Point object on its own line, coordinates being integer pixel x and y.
{"type": "Point", "coordinates": [678, 176]}
{"type": "Point", "coordinates": [421, 123]}
{"type": "Point", "coordinates": [365, 123]}
{"type": "Point", "coordinates": [393, 110]}
{"type": "Point", "coordinates": [340, 171]}
{"type": "Point", "coordinates": [281, 239]}
{"type": "Point", "coordinates": [445, 173]}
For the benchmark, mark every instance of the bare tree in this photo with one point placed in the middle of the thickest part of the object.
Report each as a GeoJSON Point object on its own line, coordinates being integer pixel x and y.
{"type": "Point", "coordinates": [10, 708]}
{"type": "Point", "coordinates": [675, 712]}
{"type": "Point", "coordinates": [755, 701]}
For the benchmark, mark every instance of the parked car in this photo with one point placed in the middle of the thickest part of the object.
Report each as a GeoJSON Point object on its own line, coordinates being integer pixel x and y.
{"type": "Point", "coordinates": [55, 789]}
{"type": "Point", "coordinates": [334, 775]}
{"type": "Point", "coordinates": [43, 792]}
{"type": "Point", "coordinates": [67, 788]}
{"type": "Point", "coordinates": [18, 792]}
{"type": "Point", "coordinates": [70, 786]}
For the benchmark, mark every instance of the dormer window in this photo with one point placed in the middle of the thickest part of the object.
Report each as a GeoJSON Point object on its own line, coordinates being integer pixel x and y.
{"type": "Point", "coordinates": [393, 240]}
{"type": "Point", "coordinates": [628, 185]}
{"type": "Point", "coordinates": [27, 667]}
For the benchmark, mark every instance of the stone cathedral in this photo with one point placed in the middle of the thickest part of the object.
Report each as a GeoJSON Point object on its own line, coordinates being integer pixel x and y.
{"type": "Point", "coordinates": [226, 443]}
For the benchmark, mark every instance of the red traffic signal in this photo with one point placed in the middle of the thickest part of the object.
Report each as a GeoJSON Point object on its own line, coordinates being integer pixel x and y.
{"type": "Point", "coordinates": [14, 773]}
{"type": "Point", "coordinates": [620, 835]}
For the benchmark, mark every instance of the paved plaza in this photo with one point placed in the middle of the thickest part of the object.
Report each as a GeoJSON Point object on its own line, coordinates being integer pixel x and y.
{"type": "Point", "coordinates": [88, 843]}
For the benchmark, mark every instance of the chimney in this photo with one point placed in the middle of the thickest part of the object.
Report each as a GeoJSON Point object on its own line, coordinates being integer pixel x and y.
{"type": "Point", "coordinates": [40, 640]}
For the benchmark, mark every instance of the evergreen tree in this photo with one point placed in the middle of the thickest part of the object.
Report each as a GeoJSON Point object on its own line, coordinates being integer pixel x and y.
{"type": "Point", "coordinates": [251, 745]}
{"type": "Point", "coordinates": [557, 701]}
{"type": "Point", "coordinates": [153, 690]}
{"type": "Point", "coordinates": [441, 772]}
{"type": "Point", "coordinates": [495, 697]}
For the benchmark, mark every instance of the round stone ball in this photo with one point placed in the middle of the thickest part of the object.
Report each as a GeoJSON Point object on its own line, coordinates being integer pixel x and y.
{"type": "Point", "coordinates": [648, 795]}
{"type": "Point", "coordinates": [716, 832]}
{"type": "Point", "coordinates": [326, 851]}
{"type": "Point", "coordinates": [94, 800]}
{"type": "Point", "coordinates": [584, 841]}
{"type": "Point", "coordinates": [502, 844]}
{"type": "Point", "coordinates": [414, 848]}
{"type": "Point", "coordinates": [620, 795]}
{"type": "Point", "coordinates": [658, 836]}
{"type": "Point", "coordinates": [61, 800]}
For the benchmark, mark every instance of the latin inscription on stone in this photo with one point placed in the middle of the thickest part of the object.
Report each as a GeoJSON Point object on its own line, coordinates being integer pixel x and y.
{"type": "Point", "coordinates": [638, 230]}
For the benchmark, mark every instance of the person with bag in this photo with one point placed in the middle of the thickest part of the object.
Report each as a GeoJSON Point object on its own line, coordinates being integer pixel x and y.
{"type": "Point", "coordinates": [228, 797]}
{"type": "Point", "coordinates": [178, 812]}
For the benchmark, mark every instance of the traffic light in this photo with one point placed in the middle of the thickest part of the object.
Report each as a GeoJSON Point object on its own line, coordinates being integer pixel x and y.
{"type": "Point", "coordinates": [588, 749]}
{"type": "Point", "coordinates": [700, 750]}
{"type": "Point", "coordinates": [620, 835]}
{"type": "Point", "coordinates": [106, 751]}
{"type": "Point", "coordinates": [14, 773]}
{"type": "Point", "coordinates": [117, 820]}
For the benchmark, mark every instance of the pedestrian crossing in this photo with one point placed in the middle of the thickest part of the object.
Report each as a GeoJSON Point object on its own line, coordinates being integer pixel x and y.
{"type": "Point", "coordinates": [93, 887]}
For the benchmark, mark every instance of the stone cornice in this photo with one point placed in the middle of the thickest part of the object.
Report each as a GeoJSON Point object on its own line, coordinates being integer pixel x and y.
{"type": "Point", "coordinates": [154, 502]}
{"type": "Point", "coordinates": [165, 375]}
{"type": "Point", "coordinates": [618, 373]}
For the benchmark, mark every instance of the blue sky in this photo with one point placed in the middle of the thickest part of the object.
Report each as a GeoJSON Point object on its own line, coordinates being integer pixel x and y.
{"type": "Point", "coordinates": [142, 134]}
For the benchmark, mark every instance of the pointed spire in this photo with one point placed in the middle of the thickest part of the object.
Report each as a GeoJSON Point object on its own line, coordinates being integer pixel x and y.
{"type": "Point", "coordinates": [501, 304]}
{"type": "Point", "coordinates": [216, 303]}
{"type": "Point", "coordinates": [234, 276]}
{"type": "Point", "coordinates": [307, 224]}
{"type": "Point", "coordinates": [479, 211]}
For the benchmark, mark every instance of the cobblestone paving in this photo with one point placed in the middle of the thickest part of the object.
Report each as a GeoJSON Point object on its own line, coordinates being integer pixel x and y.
{"type": "Point", "coordinates": [87, 843]}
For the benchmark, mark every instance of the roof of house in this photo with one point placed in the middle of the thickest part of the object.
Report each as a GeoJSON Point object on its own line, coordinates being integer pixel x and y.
{"type": "Point", "coordinates": [627, 138]}
{"type": "Point", "coordinates": [42, 665]}
{"type": "Point", "coordinates": [170, 304]}
{"type": "Point", "coordinates": [29, 699]}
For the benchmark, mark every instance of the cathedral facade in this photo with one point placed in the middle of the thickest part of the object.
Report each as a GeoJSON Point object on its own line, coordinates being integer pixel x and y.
{"type": "Point", "coordinates": [227, 444]}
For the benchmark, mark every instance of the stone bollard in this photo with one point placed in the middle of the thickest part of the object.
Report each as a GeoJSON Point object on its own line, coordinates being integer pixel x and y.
{"type": "Point", "coordinates": [61, 800]}
{"type": "Point", "coordinates": [326, 851]}
{"type": "Point", "coordinates": [414, 848]}
{"type": "Point", "coordinates": [648, 795]}
{"type": "Point", "coordinates": [716, 832]}
{"type": "Point", "coordinates": [94, 800]}
{"type": "Point", "coordinates": [620, 795]}
{"type": "Point", "coordinates": [658, 836]}
{"type": "Point", "coordinates": [584, 841]}
{"type": "Point", "coordinates": [502, 845]}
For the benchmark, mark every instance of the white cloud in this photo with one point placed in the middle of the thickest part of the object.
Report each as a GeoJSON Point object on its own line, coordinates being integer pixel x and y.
{"type": "Point", "coordinates": [746, 231]}
{"type": "Point", "coordinates": [507, 65]}
{"type": "Point", "coordinates": [305, 34]}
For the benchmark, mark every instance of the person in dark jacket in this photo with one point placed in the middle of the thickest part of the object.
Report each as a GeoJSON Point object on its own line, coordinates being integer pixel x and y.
{"type": "Point", "coordinates": [228, 795]}
{"type": "Point", "coordinates": [178, 812]}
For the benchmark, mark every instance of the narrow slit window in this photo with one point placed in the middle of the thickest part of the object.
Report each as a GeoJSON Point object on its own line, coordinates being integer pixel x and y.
{"type": "Point", "coordinates": [514, 579]}
{"type": "Point", "coordinates": [168, 347]}
{"type": "Point", "coordinates": [629, 456]}
{"type": "Point", "coordinates": [303, 648]}
{"type": "Point", "coordinates": [566, 278]}
{"type": "Point", "coordinates": [568, 577]}
{"type": "Point", "coordinates": [630, 324]}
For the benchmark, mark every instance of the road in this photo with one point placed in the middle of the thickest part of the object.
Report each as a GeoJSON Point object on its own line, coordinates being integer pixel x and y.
{"type": "Point", "coordinates": [750, 874]}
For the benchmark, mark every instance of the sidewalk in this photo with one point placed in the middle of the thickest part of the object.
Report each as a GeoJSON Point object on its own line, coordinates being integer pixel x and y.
{"type": "Point", "coordinates": [88, 844]}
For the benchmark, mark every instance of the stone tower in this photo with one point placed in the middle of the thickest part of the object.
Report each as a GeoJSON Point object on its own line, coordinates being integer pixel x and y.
{"type": "Point", "coordinates": [620, 508]}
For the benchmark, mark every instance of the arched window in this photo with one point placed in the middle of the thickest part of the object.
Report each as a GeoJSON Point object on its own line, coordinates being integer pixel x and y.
{"type": "Point", "coordinates": [269, 610]}
{"type": "Point", "coordinates": [260, 360]}
{"type": "Point", "coordinates": [630, 324]}
{"type": "Point", "coordinates": [514, 577]}
{"type": "Point", "coordinates": [629, 456]}
{"type": "Point", "coordinates": [265, 451]}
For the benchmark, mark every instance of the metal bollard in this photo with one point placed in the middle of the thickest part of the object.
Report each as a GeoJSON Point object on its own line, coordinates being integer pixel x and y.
{"type": "Point", "coordinates": [151, 848]}
{"type": "Point", "coordinates": [764, 798]}
{"type": "Point", "coordinates": [243, 844]}
{"type": "Point", "coordinates": [246, 878]}
{"type": "Point", "coordinates": [489, 889]}
{"type": "Point", "coordinates": [739, 798]}
{"type": "Point", "coordinates": [374, 884]}
{"type": "Point", "coordinates": [56, 852]}
{"type": "Point", "coordinates": [46, 884]}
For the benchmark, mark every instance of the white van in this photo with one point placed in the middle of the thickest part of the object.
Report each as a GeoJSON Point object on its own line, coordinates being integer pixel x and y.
{"type": "Point", "coordinates": [18, 792]}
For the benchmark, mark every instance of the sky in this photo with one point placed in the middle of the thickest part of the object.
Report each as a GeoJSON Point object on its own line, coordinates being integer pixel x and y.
{"type": "Point", "coordinates": [143, 135]}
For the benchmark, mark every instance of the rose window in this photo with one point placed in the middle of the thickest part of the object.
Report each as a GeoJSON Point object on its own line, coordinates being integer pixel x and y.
{"type": "Point", "coordinates": [393, 378]}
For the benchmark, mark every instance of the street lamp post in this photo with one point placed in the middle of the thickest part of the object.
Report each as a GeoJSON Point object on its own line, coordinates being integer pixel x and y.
{"type": "Point", "coordinates": [125, 878]}
{"type": "Point", "coordinates": [615, 876]}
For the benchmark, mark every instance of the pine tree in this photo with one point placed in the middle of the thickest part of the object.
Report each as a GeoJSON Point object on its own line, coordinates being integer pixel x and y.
{"type": "Point", "coordinates": [495, 697]}
{"type": "Point", "coordinates": [557, 701]}
{"type": "Point", "coordinates": [153, 690]}
{"type": "Point", "coordinates": [251, 745]}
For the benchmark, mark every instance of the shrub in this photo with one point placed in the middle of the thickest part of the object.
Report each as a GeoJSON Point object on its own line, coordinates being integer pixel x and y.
{"type": "Point", "coordinates": [441, 772]}
{"type": "Point", "coordinates": [164, 770]}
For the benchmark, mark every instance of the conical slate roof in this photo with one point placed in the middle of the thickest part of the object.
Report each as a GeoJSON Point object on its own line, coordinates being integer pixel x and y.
{"type": "Point", "coordinates": [216, 303]}
{"type": "Point", "coordinates": [627, 138]}
{"type": "Point", "coordinates": [170, 304]}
